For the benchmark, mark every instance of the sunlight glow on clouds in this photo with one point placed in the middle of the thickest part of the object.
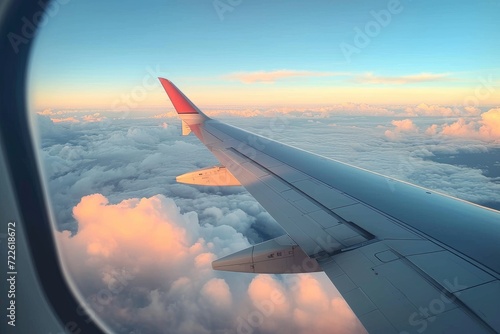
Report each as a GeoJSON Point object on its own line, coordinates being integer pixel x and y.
{"type": "Point", "coordinates": [405, 125]}
{"type": "Point", "coordinates": [65, 120]}
{"type": "Point", "coordinates": [150, 235]}
{"type": "Point", "coordinates": [487, 128]}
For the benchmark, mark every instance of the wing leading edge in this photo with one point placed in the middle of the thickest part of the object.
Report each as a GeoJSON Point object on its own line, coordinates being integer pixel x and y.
{"type": "Point", "coordinates": [406, 259]}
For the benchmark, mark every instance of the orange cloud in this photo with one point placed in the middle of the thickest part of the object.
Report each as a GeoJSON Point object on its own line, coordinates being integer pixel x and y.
{"type": "Point", "coordinates": [96, 117]}
{"type": "Point", "coordinates": [46, 112]}
{"type": "Point", "coordinates": [490, 124]}
{"type": "Point", "coordinates": [431, 130]}
{"type": "Point", "coordinates": [487, 128]}
{"type": "Point", "coordinates": [460, 128]}
{"type": "Point", "coordinates": [305, 297]}
{"type": "Point", "coordinates": [129, 233]}
{"type": "Point", "coordinates": [405, 125]}
{"type": "Point", "coordinates": [65, 120]}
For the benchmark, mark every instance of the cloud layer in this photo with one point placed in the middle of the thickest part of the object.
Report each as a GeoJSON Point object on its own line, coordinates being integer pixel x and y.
{"type": "Point", "coordinates": [139, 246]}
{"type": "Point", "coordinates": [146, 266]}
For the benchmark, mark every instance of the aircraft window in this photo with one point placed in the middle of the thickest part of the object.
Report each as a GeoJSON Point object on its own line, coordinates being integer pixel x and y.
{"type": "Point", "coordinates": [137, 246]}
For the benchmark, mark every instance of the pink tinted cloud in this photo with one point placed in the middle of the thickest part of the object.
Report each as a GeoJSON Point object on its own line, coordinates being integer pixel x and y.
{"type": "Point", "coordinates": [65, 120]}
{"type": "Point", "coordinates": [490, 124]}
{"type": "Point", "coordinates": [432, 130]}
{"type": "Point", "coordinates": [96, 117]}
{"type": "Point", "coordinates": [301, 304]}
{"type": "Point", "coordinates": [401, 126]}
{"type": "Point", "coordinates": [169, 256]}
{"type": "Point", "coordinates": [487, 128]}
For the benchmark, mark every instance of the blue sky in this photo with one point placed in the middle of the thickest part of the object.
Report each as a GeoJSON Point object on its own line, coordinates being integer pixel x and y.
{"type": "Point", "coordinates": [92, 49]}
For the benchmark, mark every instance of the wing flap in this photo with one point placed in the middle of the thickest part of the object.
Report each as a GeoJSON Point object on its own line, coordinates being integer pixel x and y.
{"type": "Point", "coordinates": [212, 176]}
{"type": "Point", "coordinates": [276, 256]}
{"type": "Point", "coordinates": [392, 295]}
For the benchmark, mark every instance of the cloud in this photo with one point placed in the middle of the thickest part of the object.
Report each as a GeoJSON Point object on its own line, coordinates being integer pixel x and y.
{"type": "Point", "coordinates": [96, 117]}
{"type": "Point", "coordinates": [370, 78]}
{"type": "Point", "coordinates": [117, 171]}
{"type": "Point", "coordinates": [487, 128]}
{"type": "Point", "coordinates": [424, 109]}
{"type": "Point", "coordinates": [490, 124]}
{"type": "Point", "coordinates": [300, 304]}
{"type": "Point", "coordinates": [169, 114]}
{"type": "Point", "coordinates": [65, 120]}
{"type": "Point", "coordinates": [46, 112]}
{"type": "Point", "coordinates": [472, 110]}
{"type": "Point", "coordinates": [72, 116]}
{"type": "Point", "coordinates": [277, 75]}
{"type": "Point", "coordinates": [405, 125]}
{"type": "Point", "coordinates": [303, 112]}
{"type": "Point", "coordinates": [431, 130]}
{"type": "Point", "coordinates": [165, 254]}
{"type": "Point", "coordinates": [400, 126]}
{"type": "Point", "coordinates": [217, 291]}
{"type": "Point", "coordinates": [460, 128]}
{"type": "Point", "coordinates": [145, 257]}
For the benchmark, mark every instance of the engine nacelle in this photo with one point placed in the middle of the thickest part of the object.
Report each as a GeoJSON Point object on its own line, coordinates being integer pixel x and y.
{"type": "Point", "coordinates": [276, 256]}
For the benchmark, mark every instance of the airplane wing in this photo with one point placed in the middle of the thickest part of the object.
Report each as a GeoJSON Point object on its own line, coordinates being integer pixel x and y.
{"type": "Point", "coordinates": [406, 259]}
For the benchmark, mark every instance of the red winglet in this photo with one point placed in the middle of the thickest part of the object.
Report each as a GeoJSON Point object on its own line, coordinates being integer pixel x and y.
{"type": "Point", "coordinates": [181, 103]}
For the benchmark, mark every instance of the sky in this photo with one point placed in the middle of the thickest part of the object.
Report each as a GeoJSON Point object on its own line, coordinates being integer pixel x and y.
{"type": "Point", "coordinates": [408, 89]}
{"type": "Point", "coordinates": [90, 54]}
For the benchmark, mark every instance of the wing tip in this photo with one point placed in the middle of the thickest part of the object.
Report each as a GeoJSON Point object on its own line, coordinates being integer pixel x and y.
{"type": "Point", "coordinates": [181, 103]}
